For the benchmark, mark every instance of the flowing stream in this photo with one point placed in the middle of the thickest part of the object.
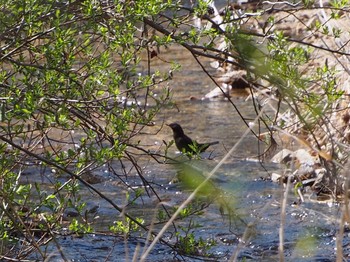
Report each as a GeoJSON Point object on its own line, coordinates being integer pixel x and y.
{"type": "Point", "coordinates": [310, 229]}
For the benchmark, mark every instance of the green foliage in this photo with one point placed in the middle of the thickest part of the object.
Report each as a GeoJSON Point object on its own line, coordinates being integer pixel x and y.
{"type": "Point", "coordinates": [281, 63]}
{"type": "Point", "coordinates": [195, 153]}
{"type": "Point", "coordinates": [308, 3]}
{"type": "Point", "coordinates": [189, 244]}
{"type": "Point", "coordinates": [79, 228]}
{"type": "Point", "coordinates": [193, 177]}
{"type": "Point", "coordinates": [73, 97]}
{"type": "Point", "coordinates": [305, 246]}
{"type": "Point", "coordinates": [196, 207]}
{"type": "Point", "coordinates": [125, 227]}
{"type": "Point", "coordinates": [201, 8]}
{"type": "Point", "coordinates": [78, 88]}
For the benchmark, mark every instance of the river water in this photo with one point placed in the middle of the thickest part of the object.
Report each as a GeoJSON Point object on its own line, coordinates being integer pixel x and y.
{"type": "Point", "coordinates": [310, 228]}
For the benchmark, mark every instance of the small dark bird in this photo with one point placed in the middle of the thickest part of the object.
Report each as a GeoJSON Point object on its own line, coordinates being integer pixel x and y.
{"type": "Point", "coordinates": [186, 144]}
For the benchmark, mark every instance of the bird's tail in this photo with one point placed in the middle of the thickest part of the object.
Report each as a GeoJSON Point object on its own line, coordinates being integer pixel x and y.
{"type": "Point", "coordinates": [212, 143]}
{"type": "Point", "coordinates": [203, 147]}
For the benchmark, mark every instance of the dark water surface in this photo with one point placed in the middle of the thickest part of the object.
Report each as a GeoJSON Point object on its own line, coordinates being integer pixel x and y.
{"type": "Point", "coordinates": [310, 229]}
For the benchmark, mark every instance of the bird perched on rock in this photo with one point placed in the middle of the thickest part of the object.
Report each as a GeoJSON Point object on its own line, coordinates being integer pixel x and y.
{"type": "Point", "coordinates": [186, 144]}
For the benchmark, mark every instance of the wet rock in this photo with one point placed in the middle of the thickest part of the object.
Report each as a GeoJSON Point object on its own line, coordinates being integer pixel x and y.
{"type": "Point", "coordinates": [282, 157]}
{"type": "Point", "coordinates": [304, 157]}
{"type": "Point", "coordinates": [229, 81]}
{"type": "Point", "coordinates": [306, 167]}
{"type": "Point", "coordinates": [305, 171]}
{"type": "Point", "coordinates": [298, 158]}
{"type": "Point", "coordinates": [70, 212]}
{"type": "Point", "coordinates": [92, 207]}
{"type": "Point", "coordinates": [92, 178]}
{"type": "Point", "coordinates": [275, 177]}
